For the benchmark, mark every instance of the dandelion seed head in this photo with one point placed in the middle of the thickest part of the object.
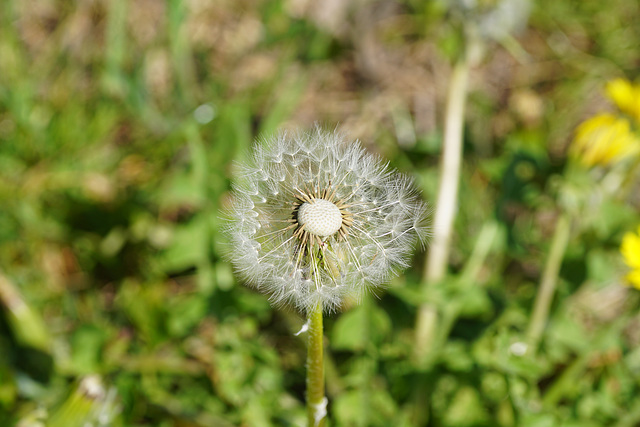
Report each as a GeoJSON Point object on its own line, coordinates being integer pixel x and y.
{"type": "Point", "coordinates": [315, 219]}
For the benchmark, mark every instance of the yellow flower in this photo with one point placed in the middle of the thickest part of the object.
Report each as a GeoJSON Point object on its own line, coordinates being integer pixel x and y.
{"type": "Point", "coordinates": [626, 96]}
{"type": "Point", "coordinates": [630, 250]}
{"type": "Point", "coordinates": [604, 139]}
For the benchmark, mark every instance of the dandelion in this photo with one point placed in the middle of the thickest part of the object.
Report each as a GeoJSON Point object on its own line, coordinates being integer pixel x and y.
{"type": "Point", "coordinates": [626, 96]}
{"type": "Point", "coordinates": [317, 220]}
{"type": "Point", "coordinates": [630, 250]}
{"type": "Point", "coordinates": [609, 138]}
{"type": "Point", "coordinates": [605, 139]}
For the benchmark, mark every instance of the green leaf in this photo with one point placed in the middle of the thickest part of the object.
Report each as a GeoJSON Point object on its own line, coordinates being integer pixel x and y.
{"type": "Point", "coordinates": [87, 342]}
{"type": "Point", "coordinates": [359, 327]}
{"type": "Point", "coordinates": [185, 314]}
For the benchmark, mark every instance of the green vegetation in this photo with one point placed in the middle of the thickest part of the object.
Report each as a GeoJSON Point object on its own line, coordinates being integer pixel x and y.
{"type": "Point", "coordinates": [119, 125]}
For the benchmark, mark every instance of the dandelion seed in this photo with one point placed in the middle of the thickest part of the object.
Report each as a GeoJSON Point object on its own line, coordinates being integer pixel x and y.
{"type": "Point", "coordinates": [316, 219]}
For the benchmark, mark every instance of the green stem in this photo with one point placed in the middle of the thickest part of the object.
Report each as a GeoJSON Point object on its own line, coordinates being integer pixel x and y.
{"type": "Point", "coordinates": [369, 365]}
{"type": "Point", "coordinates": [437, 260]}
{"type": "Point", "coordinates": [316, 401]}
{"type": "Point", "coordinates": [548, 282]}
{"type": "Point", "coordinates": [468, 277]}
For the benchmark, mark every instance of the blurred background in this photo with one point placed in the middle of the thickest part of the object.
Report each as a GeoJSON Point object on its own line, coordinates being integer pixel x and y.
{"type": "Point", "coordinates": [119, 124]}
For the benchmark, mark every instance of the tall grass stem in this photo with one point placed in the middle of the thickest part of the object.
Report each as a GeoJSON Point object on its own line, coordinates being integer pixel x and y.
{"type": "Point", "coordinates": [446, 205]}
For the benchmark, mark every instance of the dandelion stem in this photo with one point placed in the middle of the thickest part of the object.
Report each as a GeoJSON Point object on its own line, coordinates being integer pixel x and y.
{"type": "Point", "coordinates": [548, 282]}
{"type": "Point", "coordinates": [446, 205]}
{"type": "Point", "coordinates": [316, 401]}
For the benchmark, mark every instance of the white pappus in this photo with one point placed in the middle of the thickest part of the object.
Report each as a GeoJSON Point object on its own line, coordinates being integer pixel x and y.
{"type": "Point", "coordinates": [315, 219]}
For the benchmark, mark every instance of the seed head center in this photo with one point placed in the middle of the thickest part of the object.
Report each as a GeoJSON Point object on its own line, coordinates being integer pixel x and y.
{"type": "Point", "coordinates": [320, 217]}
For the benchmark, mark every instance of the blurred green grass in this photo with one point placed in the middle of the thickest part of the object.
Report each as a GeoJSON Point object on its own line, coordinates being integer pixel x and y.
{"type": "Point", "coordinates": [111, 184]}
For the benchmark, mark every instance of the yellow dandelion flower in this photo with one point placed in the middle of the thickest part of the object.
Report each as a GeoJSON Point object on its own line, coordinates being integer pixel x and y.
{"type": "Point", "coordinates": [630, 250]}
{"type": "Point", "coordinates": [604, 139]}
{"type": "Point", "coordinates": [626, 96]}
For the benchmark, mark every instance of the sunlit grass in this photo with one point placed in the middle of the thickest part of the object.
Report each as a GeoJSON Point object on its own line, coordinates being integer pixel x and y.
{"type": "Point", "coordinates": [112, 183]}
